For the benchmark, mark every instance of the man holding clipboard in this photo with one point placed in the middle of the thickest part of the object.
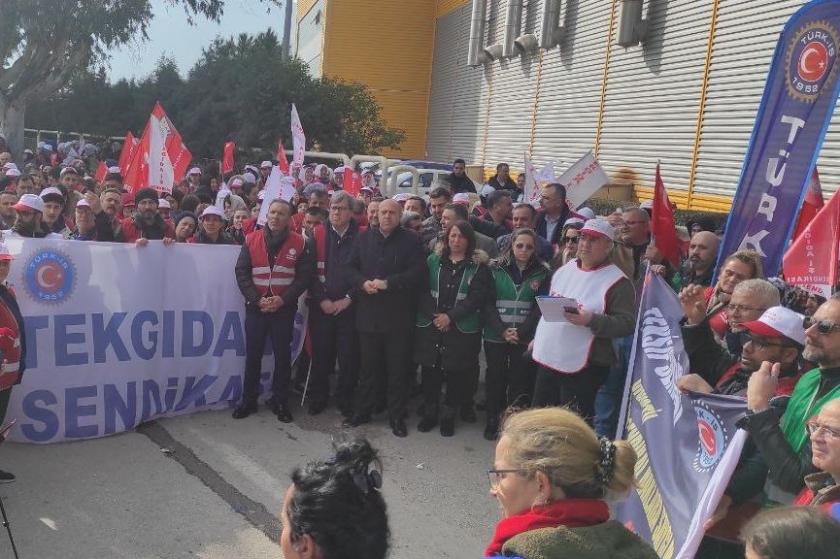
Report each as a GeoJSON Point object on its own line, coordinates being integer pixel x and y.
{"type": "Point", "coordinates": [591, 303]}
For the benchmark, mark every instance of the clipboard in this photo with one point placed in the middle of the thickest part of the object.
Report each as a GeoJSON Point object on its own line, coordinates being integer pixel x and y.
{"type": "Point", "coordinates": [554, 308]}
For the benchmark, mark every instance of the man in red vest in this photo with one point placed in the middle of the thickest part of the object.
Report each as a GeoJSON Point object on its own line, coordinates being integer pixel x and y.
{"type": "Point", "coordinates": [274, 268]}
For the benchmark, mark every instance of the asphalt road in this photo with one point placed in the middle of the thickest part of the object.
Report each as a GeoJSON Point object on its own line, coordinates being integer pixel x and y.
{"type": "Point", "coordinates": [207, 486]}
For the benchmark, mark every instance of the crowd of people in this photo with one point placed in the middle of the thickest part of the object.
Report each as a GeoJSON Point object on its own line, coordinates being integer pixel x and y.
{"type": "Point", "coordinates": [404, 294]}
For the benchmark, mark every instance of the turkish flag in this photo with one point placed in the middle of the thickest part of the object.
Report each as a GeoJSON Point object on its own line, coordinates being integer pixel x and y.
{"type": "Point", "coordinates": [101, 172]}
{"type": "Point", "coordinates": [127, 152]}
{"type": "Point", "coordinates": [161, 158]}
{"type": "Point", "coordinates": [282, 161]}
{"type": "Point", "coordinates": [663, 227]}
{"type": "Point", "coordinates": [811, 261]}
{"type": "Point", "coordinates": [810, 206]}
{"type": "Point", "coordinates": [227, 158]}
{"type": "Point", "coordinates": [352, 182]}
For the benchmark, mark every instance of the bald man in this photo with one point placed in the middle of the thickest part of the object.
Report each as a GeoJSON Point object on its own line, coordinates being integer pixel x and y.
{"type": "Point", "coordinates": [385, 268]}
{"type": "Point", "coordinates": [697, 269]}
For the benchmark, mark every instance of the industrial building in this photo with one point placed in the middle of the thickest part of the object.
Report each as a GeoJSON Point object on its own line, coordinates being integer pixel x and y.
{"type": "Point", "coordinates": [637, 81]}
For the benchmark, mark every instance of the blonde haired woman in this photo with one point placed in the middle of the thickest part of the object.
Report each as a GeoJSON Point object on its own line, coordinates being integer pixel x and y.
{"type": "Point", "coordinates": [551, 477]}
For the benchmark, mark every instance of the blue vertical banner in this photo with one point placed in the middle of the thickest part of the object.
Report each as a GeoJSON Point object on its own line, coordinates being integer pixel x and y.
{"type": "Point", "coordinates": [794, 114]}
{"type": "Point", "coordinates": [687, 445]}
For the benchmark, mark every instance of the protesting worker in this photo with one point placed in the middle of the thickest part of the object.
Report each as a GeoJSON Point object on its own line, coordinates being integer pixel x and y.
{"type": "Point", "coordinates": [274, 268]}
{"type": "Point", "coordinates": [12, 343]}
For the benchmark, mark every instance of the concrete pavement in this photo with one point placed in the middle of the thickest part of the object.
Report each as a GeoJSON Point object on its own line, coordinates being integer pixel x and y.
{"type": "Point", "coordinates": [207, 486]}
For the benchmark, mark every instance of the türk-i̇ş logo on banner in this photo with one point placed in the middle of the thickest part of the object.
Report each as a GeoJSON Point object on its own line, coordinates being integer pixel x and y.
{"type": "Point", "coordinates": [49, 276]}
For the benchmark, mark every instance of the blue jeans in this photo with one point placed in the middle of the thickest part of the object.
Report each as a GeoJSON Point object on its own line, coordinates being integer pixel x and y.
{"type": "Point", "coordinates": [608, 399]}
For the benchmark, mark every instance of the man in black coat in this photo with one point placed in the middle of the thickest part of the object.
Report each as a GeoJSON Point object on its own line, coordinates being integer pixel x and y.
{"type": "Point", "coordinates": [385, 267]}
{"type": "Point", "coordinates": [458, 179]}
{"type": "Point", "coordinates": [555, 212]}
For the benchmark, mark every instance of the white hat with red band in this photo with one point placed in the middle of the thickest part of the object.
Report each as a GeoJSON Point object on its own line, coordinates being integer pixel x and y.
{"type": "Point", "coordinates": [778, 322]}
{"type": "Point", "coordinates": [212, 210]}
{"type": "Point", "coordinates": [598, 228]}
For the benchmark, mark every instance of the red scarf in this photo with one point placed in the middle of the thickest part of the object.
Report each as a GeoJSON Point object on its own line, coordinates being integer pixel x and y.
{"type": "Point", "coordinates": [573, 513]}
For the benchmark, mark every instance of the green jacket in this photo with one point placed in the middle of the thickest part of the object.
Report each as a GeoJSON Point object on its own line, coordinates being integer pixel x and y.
{"type": "Point", "coordinates": [469, 324]}
{"type": "Point", "coordinates": [609, 540]}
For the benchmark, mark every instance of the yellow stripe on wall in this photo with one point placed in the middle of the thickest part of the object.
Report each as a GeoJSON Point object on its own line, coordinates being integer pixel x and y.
{"type": "Point", "coordinates": [443, 7]}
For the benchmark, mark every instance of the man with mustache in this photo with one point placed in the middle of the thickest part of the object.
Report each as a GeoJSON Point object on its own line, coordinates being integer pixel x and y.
{"type": "Point", "coordinates": [30, 210]}
{"type": "Point", "coordinates": [146, 224]}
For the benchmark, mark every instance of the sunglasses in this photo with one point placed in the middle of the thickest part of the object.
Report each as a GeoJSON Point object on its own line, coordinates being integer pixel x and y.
{"type": "Point", "coordinates": [570, 239]}
{"type": "Point", "coordinates": [824, 327]}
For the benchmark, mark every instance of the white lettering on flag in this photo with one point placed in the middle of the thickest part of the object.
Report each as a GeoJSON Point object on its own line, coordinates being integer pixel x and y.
{"type": "Point", "coordinates": [582, 180]}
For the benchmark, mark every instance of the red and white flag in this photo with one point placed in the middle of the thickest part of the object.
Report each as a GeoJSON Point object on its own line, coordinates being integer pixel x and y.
{"type": "Point", "coordinates": [282, 160]}
{"type": "Point", "coordinates": [227, 158]}
{"type": "Point", "coordinates": [811, 261]}
{"type": "Point", "coordinates": [811, 206]}
{"type": "Point", "coordinates": [663, 227]}
{"type": "Point", "coordinates": [531, 195]}
{"type": "Point", "coordinates": [101, 172]}
{"type": "Point", "coordinates": [161, 158]}
{"type": "Point", "coordinates": [298, 138]}
{"type": "Point", "coordinates": [127, 152]}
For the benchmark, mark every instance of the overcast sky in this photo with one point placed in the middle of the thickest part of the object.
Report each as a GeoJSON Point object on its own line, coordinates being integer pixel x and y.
{"type": "Point", "coordinates": [170, 34]}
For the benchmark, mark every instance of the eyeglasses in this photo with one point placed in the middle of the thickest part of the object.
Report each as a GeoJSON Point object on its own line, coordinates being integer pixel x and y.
{"type": "Point", "coordinates": [824, 327]}
{"type": "Point", "coordinates": [761, 342]}
{"type": "Point", "coordinates": [568, 240]}
{"type": "Point", "coordinates": [744, 308]}
{"type": "Point", "coordinates": [496, 476]}
{"type": "Point", "coordinates": [814, 427]}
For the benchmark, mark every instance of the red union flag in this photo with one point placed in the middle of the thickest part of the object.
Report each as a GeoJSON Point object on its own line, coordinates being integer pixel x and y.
{"type": "Point", "coordinates": [298, 138]}
{"type": "Point", "coordinates": [101, 172]}
{"type": "Point", "coordinates": [811, 261]}
{"type": "Point", "coordinates": [127, 152]}
{"type": "Point", "coordinates": [662, 225]}
{"type": "Point", "coordinates": [161, 158]}
{"type": "Point", "coordinates": [282, 160]}
{"type": "Point", "coordinates": [227, 158]}
{"type": "Point", "coordinates": [811, 206]}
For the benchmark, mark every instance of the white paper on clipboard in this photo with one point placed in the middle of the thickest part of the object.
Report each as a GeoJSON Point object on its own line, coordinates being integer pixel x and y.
{"type": "Point", "coordinates": [553, 308]}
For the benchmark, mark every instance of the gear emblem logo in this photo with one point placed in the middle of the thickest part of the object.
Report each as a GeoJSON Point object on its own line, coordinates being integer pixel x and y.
{"type": "Point", "coordinates": [810, 61]}
{"type": "Point", "coordinates": [49, 276]}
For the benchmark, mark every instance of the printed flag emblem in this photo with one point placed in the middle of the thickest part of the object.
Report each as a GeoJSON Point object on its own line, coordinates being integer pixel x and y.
{"type": "Point", "coordinates": [810, 58]}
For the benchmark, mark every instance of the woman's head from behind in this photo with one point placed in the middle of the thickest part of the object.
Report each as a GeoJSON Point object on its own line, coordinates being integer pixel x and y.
{"type": "Point", "coordinates": [549, 454]}
{"type": "Point", "coordinates": [334, 508]}
{"type": "Point", "coordinates": [784, 532]}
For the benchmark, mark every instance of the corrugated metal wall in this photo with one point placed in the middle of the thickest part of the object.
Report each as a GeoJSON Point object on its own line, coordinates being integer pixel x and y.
{"type": "Point", "coordinates": [652, 96]}
{"type": "Point", "coordinates": [458, 101]}
{"type": "Point", "coordinates": [511, 101]}
{"type": "Point", "coordinates": [570, 88]}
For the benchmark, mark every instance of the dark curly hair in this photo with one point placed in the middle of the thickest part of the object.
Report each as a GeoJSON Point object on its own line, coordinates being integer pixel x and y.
{"type": "Point", "coordinates": [337, 502]}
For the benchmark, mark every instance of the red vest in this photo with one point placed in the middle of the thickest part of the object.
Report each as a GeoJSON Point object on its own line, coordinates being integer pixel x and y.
{"type": "Point", "coordinates": [9, 348]}
{"type": "Point", "coordinates": [274, 278]}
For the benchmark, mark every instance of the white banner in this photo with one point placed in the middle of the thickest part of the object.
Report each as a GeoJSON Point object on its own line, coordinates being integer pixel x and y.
{"type": "Point", "coordinates": [298, 137]}
{"type": "Point", "coordinates": [117, 335]}
{"type": "Point", "coordinates": [582, 180]}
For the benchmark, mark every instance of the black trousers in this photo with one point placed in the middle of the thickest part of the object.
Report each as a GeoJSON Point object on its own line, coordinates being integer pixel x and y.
{"type": "Point", "coordinates": [278, 327]}
{"type": "Point", "coordinates": [576, 391]}
{"type": "Point", "coordinates": [458, 388]}
{"type": "Point", "coordinates": [5, 396]}
{"type": "Point", "coordinates": [510, 377]}
{"type": "Point", "coordinates": [334, 337]}
{"type": "Point", "coordinates": [383, 356]}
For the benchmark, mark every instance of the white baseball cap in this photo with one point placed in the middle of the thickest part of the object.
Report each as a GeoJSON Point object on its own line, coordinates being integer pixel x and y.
{"type": "Point", "coordinates": [212, 210]}
{"type": "Point", "coordinates": [114, 170]}
{"type": "Point", "coordinates": [573, 221]}
{"type": "Point", "coordinates": [163, 203]}
{"type": "Point", "coordinates": [67, 170]}
{"type": "Point", "coordinates": [235, 183]}
{"type": "Point", "coordinates": [778, 322]}
{"type": "Point", "coordinates": [195, 171]}
{"type": "Point", "coordinates": [486, 190]}
{"type": "Point", "coordinates": [4, 252]}
{"type": "Point", "coordinates": [598, 228]}
{"type": "Point", "coordinates": [9, 165]}
{"type": "Point", "coordinates": [461, 198]}
{"type": "Point", "coordinates": [266, 165]}
{"type": "Point", "coordinates": [401, 196]}
{"type": "Point", "coordinates": [82, 204]}
{"type": "Point", "coordinates": [30, 202]}
{"type": "Point", "coordinates": [249, 178]}
{"type": "Point", "coordinates": [586, 213]}
{"type": "Point", "coordinates": [12, 173]}
{"type": "Point", "coordinates": [51, 190]}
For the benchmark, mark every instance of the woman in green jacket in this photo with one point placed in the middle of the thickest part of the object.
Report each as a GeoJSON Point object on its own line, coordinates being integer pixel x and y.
{"type": "Point", "coordinates": [509, 323]}
{"type": "Point", "coordinates": [447, 339]}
